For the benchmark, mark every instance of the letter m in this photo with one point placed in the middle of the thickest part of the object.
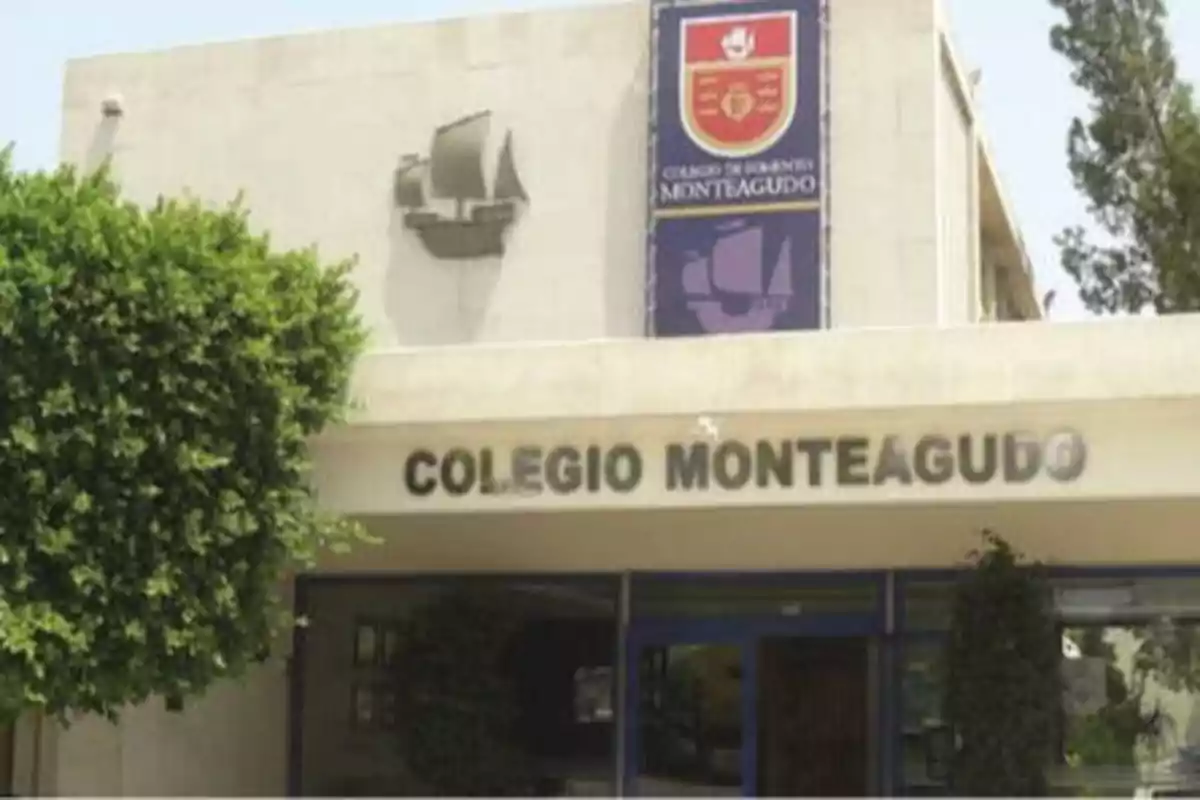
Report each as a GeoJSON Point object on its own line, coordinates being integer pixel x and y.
{"type": "Point", "coordinates": [687, 466]}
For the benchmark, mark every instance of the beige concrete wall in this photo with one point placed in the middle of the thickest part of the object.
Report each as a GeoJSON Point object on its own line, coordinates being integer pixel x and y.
{"type": "Point", "coordinates": [1135, 451]}
{"type": "Point", "coordinates": [884, 244]}
{"type": "Point", "coordinates": [1136, 408]}
{"type": "Point", "coordinates": [312, 127]}
{"type": "Point", "coordinates": [835, 371]}
{"type": "Point", "coordinates": [957, 198]}
{"type": "Point", "coordinates": [231, 742]}
{"type": "Point", "coordinates": [34, 763]}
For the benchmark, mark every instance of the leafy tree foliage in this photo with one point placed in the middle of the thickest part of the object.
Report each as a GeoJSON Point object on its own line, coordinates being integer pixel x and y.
{"type": "Point", "coordinates": [162, 373]}
{"type": "Point", "coordinates": [1136, 159]}
{"type": "Point", "coordinates": [1137, 162]}
{"type": "Point", "coordinates": [1130, 715]}
{"type": "Point", "coordinates": [1003, 685]}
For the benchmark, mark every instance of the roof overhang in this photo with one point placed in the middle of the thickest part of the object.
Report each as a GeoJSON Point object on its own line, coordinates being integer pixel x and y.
{"type": "Point", "coordinates": [1127, 387]}
{"type": "Point", "coordinates": [839, 370]}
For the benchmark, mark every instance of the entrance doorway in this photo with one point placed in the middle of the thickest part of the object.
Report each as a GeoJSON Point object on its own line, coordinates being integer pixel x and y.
{"type": "Point", "coordinates": [813, 726]}
{"type": "Point", "coordinates": [750, 707]}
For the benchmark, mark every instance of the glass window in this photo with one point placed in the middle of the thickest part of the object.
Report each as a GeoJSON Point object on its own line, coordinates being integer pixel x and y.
{"type": "Point", "coordinates": [1128, 598]}
{"type": "Point", "coordinates": [362, 706]}
{"type": "Point", "coordinates": [372, 706]}
{"type": "Point", "coordinates": [366, 643]}
{"type": "Point", "coordinates": [923, 732]}
{"type": "Point", "coordinates": [762, 595]}
{"type": "Point", "coordinates": [469, 686]}
{"type": "Point", "coordinates": [1131, 676]}
{"type": "Point", "coordinates": [1132, 709]}
{"type": "Point", "coordinates": [594, 694]}
{"type": "Point", "coordinates": [691, 737]}
{"type": "Point", "coordinates": [927, 605]}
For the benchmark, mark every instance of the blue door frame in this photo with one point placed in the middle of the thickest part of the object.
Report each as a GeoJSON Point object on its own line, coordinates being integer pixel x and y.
{"type": "Point", "coordinates": [743, 632]}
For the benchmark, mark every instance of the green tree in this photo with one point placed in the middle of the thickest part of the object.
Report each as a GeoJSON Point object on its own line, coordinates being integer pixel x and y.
{"type": "Point", "coordinates": [1136, 160]}
{"type": "Point", "coordinates": [1110, 736]}
{"type": "Point", "coordinates": [1003, 685]}
{"type": "Point", "coordinates": [162, 372]}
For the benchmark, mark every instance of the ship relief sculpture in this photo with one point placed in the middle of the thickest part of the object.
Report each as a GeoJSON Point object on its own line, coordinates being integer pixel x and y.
{"type": "Point", "coordinates": [447, 198]}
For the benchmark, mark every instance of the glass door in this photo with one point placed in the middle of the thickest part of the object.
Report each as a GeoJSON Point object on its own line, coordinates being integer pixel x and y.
{"type": "Point", "coordinates": [690, 724]}
{"type": "Point", "coordinates": [761, 685]}
{"type": "Point", "coordinates": [746, 708]}
{"type": "Point", "coordinates": [814, 737]}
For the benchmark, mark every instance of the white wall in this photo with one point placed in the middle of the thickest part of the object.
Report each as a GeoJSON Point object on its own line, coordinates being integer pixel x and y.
{"type": "Point", "coordinates": [232, 742]}
{"type": "Point", "coordinates": [311, 127]}
{"type": "Point", "coordinates": [957, 200]}
{"type": "Point", "coordinates": [884, 244]}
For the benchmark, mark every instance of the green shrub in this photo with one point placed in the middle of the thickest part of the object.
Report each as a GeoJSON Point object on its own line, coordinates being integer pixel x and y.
{"type": "Point", "coordinates": [162, 373]}
{"type": "Point", "coordinates": [1004, 685]}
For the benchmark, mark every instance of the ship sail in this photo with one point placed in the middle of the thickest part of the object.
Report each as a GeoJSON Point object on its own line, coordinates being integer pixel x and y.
{"type": "Point", "coordinates": [737, 262]}
{"type": "Point", "coordinates": [695, 276]}
{"type": "Point", "coordinates": [508, 183]}
{"type": "Point", "coordinates": [410, 182]}
{"type": "Point", "coordinates": [740, 260]}
{"type": "Point", "coordinates": [781, 280]}
{"type": "Point", "coordinates": [456, 159]}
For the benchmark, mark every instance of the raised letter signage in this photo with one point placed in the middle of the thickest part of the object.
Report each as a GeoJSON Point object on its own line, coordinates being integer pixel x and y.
{"type": "Point", "coordinates": [1012, 457]}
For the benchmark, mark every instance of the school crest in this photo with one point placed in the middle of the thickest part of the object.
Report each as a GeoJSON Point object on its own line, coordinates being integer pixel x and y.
{"type": "Point", "coordinates": [738, 81]}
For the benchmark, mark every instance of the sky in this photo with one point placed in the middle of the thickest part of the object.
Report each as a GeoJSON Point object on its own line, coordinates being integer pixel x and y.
{"type": "Point", "coordinates": [1026, 97]}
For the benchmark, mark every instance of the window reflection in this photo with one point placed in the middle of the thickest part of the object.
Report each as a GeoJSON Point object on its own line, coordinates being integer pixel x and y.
{"type": "Point", "coordinates": [1132, 709]}
{"type": "Point", "coordinates": [459, 687]}
{"type": "Point", "coordinates": [593, 694]}
{"type": "Point", "coordinates": [691, 731]}
{"type": "Point", "coordinates": [1131, 675]}
{"type": "Point", "coordinates": [922, 689]}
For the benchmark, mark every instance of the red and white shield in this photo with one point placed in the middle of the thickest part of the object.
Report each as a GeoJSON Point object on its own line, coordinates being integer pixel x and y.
{"type": "Point", "coordinates": [738, 81]}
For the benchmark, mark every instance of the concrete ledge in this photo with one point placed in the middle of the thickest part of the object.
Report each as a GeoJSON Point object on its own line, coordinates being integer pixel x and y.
{"type": "Point", "coordinates": [1125, 359]}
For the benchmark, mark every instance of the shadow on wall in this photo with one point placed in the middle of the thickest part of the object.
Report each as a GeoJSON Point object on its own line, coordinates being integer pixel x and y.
{"type": "Point", "coordinates": [428, 301]}
{"type": "Point", "coordinates": [625, 267]}
{"type": "Point", "coordinates": [100, 148]}
{"type": "Point", "coordinates": [476, 283]}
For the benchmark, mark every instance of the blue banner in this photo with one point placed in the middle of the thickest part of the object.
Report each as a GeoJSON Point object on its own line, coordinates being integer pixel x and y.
{"type": "Point", "coordinates": [736, 191]}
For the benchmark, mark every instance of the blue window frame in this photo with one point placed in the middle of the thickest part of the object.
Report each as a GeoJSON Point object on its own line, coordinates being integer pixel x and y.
{"type": "Point", "coordinates": [740, 610]}
{"type": "Point", "coordinates": [921, 626]}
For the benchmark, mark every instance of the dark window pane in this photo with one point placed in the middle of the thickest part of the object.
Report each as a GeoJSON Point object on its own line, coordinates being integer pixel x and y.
{"type": "Point", "coordinates": [366, 644]}
{"type": "Point", "coordinates": [767, 595]}
{"type": "Point", "coordinates": [460, 687]}
{"type": "Point", "coordinates": [362, 706]}
{"type": "Point", "coordinates": [691, 721]}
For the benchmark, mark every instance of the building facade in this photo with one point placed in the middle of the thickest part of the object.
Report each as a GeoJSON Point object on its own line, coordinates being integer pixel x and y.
{"type": "Point", "coordinates": [752, 482]}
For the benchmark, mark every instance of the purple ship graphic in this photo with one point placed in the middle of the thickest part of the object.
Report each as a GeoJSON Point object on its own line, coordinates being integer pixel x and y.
{"type": "Point", "coordinates": [743, 282]}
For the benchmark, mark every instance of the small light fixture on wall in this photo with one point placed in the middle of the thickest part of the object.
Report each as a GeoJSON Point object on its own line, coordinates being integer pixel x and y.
{"type": "Point", "coordinates": [112, 107]}
{"type": "Point", "coordinates": [707, 427]}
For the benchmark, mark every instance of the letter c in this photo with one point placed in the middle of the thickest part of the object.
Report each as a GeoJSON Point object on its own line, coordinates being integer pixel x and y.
{"type": "Point", "coordinates": [416, 483]}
